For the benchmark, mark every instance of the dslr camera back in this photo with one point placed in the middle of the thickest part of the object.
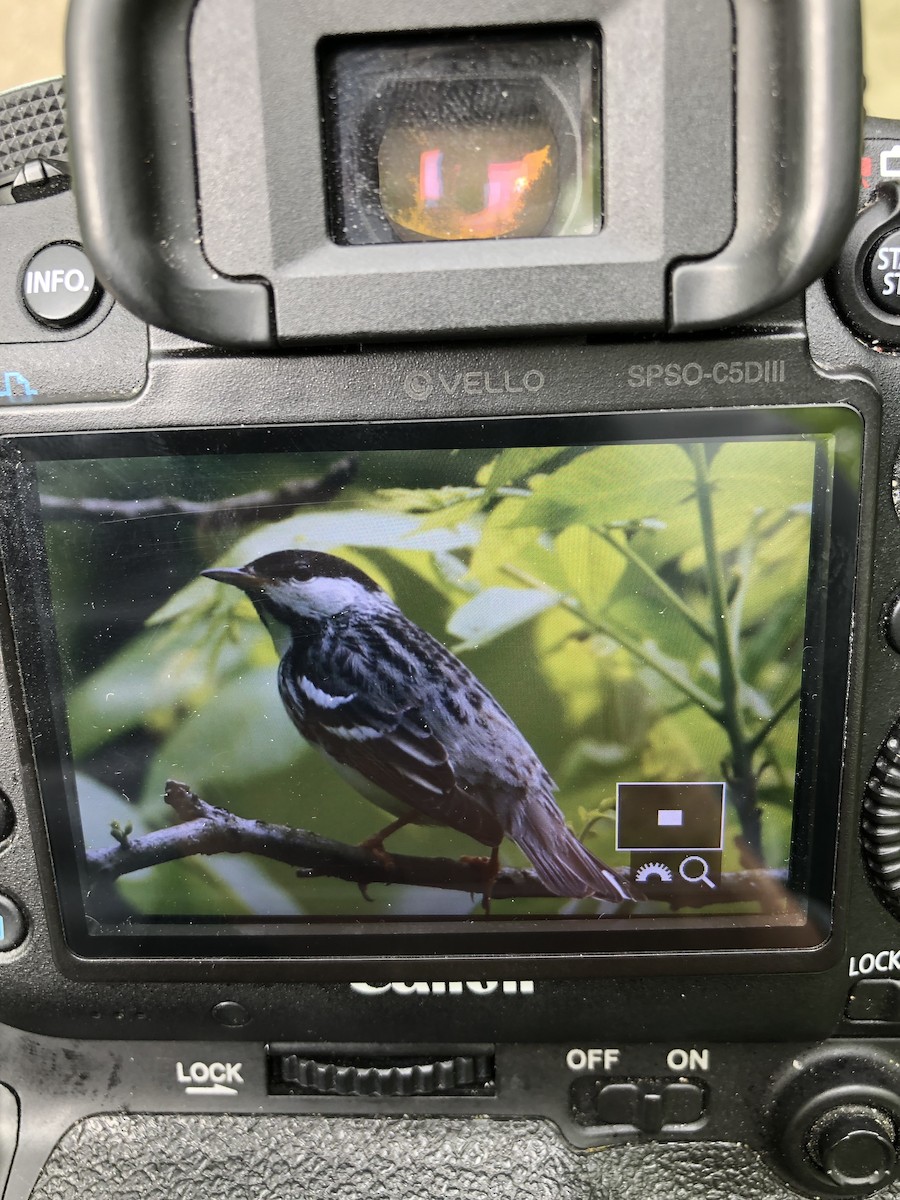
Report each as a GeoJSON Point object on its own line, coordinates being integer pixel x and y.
{"type": "Point", "coordinates": [450, 609]}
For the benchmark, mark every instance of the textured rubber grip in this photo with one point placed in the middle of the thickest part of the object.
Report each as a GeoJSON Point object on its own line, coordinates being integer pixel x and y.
{"type": "Point", "coordinates": [32, 124]}
{"type": "Point", "coordinates": [205, 1157]}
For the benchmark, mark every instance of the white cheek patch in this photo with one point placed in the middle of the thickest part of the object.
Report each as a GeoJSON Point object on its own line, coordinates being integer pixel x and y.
{"type": "Point", "coordinates": [322, 699]}
{"type": "Point", "coordinates": [324, 596]}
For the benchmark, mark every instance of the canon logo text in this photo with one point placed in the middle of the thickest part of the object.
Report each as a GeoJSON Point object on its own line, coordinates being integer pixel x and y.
{"type": "Point", "coordinates": [475, 987]}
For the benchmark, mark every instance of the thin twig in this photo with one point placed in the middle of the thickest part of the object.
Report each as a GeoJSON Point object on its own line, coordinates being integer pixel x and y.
{"type": "Point", "coordinates": [667, 592]}
{"type": "Point", "coordinates": [230, 510]}
{"type": "Point", "coordinates": [684, 685]}
{"type": "Point", "coordinates": [205, 829]}
{"type": "Point", "coordinates": [783, 709]}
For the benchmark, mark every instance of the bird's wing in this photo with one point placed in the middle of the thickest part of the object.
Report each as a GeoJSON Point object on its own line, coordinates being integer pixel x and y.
{"type": "Point", "coordinates": [394, 750]}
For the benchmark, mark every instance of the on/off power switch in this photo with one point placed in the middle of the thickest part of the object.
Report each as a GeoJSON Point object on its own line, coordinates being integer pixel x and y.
{"type": "Point", "coordinates": [646, 1105]}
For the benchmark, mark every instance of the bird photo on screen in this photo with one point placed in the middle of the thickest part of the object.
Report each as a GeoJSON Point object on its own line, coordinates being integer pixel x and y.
{"type": "Point", "coordinates": [405, 721]}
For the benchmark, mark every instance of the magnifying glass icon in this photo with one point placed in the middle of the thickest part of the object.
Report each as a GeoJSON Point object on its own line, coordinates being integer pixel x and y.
{"type": "Point", "coordinates": [694, 861]}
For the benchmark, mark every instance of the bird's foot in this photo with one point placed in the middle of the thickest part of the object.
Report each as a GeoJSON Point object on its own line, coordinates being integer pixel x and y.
{"type": "Point", "coordinates": [375, 846]}
{"type": "Point", "coordinates": [375, 843]}
{"type": "Point", "coordinates": [490, 866]}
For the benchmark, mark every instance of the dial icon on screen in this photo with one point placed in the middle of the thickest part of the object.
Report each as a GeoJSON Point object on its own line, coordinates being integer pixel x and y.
{"type": "Point", "coordinates": [653, 870]}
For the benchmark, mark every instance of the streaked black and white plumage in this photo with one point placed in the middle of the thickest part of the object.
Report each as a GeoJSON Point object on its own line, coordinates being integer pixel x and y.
{"type": "Point", "coordinates": [404, 720]}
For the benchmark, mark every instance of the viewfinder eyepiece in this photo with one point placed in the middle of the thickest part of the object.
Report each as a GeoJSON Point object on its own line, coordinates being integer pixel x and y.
{"type": "Point", "coordinates": [464, 140]}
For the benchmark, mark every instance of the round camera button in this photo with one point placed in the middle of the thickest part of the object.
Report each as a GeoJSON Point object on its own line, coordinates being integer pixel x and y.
{"type": "Point", "coordinates": [855, 1145]}
{"type": "Point", "coordinates": [891, 624]}
{"type": "Point", "coordinates": [59, 287]}
{"type": "Point", "coordinates": [230, 1014]}
{"type": "Point", "coordinates": [12, 924]}
{"type": "Point", "coordinates": [881, 273]}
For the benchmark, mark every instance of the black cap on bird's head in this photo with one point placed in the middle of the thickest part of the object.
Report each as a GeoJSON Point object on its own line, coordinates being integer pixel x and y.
{"type": "Point", "coordinates": [300, 584]}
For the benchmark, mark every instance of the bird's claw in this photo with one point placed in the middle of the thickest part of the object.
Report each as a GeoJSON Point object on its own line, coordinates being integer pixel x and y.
{"type": "Point", "coordinates": [375, 844]}
{"type": "Point", "coordinates": [377, 850]}
{"type": "Point", "coordinates": [490, 864]}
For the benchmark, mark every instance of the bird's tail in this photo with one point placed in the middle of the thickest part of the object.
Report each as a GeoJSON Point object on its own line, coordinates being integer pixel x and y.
{"type": "Point", "coordinates": [562, 863]}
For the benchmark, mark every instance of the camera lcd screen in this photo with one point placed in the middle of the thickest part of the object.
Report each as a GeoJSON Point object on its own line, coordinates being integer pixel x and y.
{"type": "Point", "coordinates": [556, 684]}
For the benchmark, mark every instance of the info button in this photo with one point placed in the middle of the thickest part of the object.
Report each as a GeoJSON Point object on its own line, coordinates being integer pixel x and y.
{"type": "Point", "coordinates": [59, 286]}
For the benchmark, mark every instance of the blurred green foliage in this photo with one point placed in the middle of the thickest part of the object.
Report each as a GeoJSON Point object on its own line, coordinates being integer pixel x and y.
{"type": "Point", "coordinates": [578, 585]}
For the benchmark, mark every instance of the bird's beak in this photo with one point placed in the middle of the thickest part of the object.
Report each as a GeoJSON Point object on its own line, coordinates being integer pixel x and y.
{"type": "Point", "coordinates": [236, 576]}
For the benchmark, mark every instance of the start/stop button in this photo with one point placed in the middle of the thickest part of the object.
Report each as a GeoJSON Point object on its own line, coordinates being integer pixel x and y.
{"type": "Point", "coordinates": [881, 273]}
{"type": "Point", "coordinates": [59, 286]}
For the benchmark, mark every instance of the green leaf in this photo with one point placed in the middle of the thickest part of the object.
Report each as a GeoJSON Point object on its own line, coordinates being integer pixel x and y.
{"type": "Point", "coordinates": [610, 484]}
{"type": "Point", "coordinates": [516, 465]}
{"type": "Point", "coordinates": [159, 671]}
{"type": "Point", "coordinates": [779, 569]}
{"type": "Point", "coordinates": [675, 667]}
{"type": "Point", "coordinates": [503, 548]}
{"type": "Point", "coordinates": [442, 541]}
{"type": "Point", "coordinates": [425, 500]}
{"type": "Point", "coordinates": [682, 746]}
{"type": "Point", "coordinates": [773, 474]}
{"type": "Point", "coordinates": [495, 611]}
{"type": "Point", "coordinates": [752, 478]}
{"type": "Point", "coordinates": [592, 567]}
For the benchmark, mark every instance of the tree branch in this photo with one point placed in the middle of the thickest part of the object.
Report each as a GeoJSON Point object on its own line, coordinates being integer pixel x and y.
{"type": "Point", "coordinates": [204, 829]}
{"type": "Point", "coordinates": [248, 509]}
{"type": "Point", "coordinates": [744, 792]}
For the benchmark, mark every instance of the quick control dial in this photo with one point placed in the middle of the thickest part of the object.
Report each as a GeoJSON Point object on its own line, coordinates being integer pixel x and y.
{"type": "Point", "coordinates": [880, 833]}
